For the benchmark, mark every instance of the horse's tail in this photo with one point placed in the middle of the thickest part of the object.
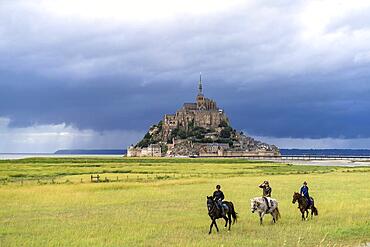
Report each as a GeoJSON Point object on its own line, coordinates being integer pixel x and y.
{"type": "Point", "coordinates": [315, 211]}
{"type": "Point", "coordinates": [233, 213]}
{"type": "Point", "coordinates": [235, 217]}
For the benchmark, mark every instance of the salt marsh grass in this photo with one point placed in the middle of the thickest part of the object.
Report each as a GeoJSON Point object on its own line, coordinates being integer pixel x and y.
{"type": "Point", "coordinates": [161, 202]}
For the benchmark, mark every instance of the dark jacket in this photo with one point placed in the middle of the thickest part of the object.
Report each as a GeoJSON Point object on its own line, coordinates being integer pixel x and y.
{"type": "Point", "coordinates": [266, 190]}
{"type": "Point", "coordinates": [218, 195]}
{"type": "Point", "coordinates": [304, 191]}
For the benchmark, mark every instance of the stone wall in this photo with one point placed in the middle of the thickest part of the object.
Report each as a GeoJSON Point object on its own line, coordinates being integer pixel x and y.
{"type": "Point", "coordinates": [230, 153]}
{"type": "Point", "coordinates": [133, 152]}
{"type": "Point", "coordinates": [153, 150]}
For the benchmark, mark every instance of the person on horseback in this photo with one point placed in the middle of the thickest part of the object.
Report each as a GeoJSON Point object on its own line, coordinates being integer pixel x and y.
{"type": "Point", "coordinates": [266, 192]}
{"type": "Point", "coordinates": [266, 189]}
{"type": "Point", "coordinates": [218, 196]}
{"type": "Point", "coordinates": [304, 192]}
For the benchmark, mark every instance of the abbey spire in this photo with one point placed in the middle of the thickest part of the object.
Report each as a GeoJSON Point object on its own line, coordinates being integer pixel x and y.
{"type": "Point", "coordinates": [200, 87]}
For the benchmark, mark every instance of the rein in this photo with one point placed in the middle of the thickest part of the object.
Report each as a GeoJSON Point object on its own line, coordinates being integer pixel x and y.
{"type": "Point", "coordinates": [211, 211]}
{"type": "Point", "coordinates": [214, 211]}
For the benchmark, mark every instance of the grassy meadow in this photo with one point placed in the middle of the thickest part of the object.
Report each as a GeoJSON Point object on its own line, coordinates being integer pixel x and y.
{"type": "Point", "coordinates": [162, 202]}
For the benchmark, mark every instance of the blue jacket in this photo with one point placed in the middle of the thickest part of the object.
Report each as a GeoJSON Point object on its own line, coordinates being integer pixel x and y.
{"type": "Point", "coordinates": [304, 191]}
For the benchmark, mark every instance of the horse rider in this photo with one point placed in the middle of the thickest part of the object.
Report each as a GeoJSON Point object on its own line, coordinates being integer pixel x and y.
{"type": "Point", "coordinates": [218, 196]}
{"type": "Point", "coordinates": [304, 192]}
{"type": "Point", "coordinates": [266, 189]}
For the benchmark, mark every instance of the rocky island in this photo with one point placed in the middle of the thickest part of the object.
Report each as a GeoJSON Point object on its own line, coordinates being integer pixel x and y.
{"type": "Point", "coordinates": [198, 129]}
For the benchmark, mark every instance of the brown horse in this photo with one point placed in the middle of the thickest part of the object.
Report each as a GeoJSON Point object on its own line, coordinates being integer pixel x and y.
{"type": "Point", "coordinates": [303, 205]}
{"type": "Point", "coordinates": [215, 213]}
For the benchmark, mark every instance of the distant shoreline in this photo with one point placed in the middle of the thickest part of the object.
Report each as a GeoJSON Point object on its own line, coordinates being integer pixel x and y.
{"type": "Point", "coordinates": [298, 160]}
{"type": "Point", "coordinates": [92, 151]}
{"type": "Point", "coordinates": [283, 151]}
{"type": "Point", "coordinates": [13, 156]}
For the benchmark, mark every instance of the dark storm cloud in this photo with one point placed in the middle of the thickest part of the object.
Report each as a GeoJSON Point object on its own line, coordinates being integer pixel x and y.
{"type": "Point", "coordinates": [101, 106]}
{"type": "Point", "coordinates": [274, 73]}
{"type": "Point", "coordinates": [290, 109]}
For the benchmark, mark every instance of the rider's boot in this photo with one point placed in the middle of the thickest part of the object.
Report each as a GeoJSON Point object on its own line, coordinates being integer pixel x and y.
{"type": "Point", "coordinates": [223, 211]}
{"type": "Point", "coordinates": [267, 204]}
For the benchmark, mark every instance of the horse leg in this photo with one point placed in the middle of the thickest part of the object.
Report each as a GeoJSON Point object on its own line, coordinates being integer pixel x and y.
{"type": "Point", "coordinates": [227, 220]}
{"type": "Point", "coordinates": [306, 213]}
{"type": "Point", "coordinates": [261, 217]}
{"type": "Point", "coordinates": [229, 214]}
{"type": "Point", "coordinates": [311, 213]}
{"type": "Point", "coordinates": [210, 227]}
{"type": "Point", "coordinates": [216, 225]}
{"type": "Point", "coordinates": [273, 216]}
{"type": "Point", "coordinates": [302, 212]}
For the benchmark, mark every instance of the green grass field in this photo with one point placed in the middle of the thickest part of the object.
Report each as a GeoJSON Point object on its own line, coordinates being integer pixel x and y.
{"type": "Point", "coordinates": [162, 202]}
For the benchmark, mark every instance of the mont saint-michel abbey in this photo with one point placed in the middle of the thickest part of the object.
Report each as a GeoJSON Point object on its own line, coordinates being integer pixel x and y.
{"type": "Point", "coordinates": [198, 129]}
{"type": "Point", "coordinates": [204, 113]}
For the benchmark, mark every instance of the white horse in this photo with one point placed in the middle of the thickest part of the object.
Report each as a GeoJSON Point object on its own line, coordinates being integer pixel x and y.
{"type": "Point", "coordinates": [259, 204]}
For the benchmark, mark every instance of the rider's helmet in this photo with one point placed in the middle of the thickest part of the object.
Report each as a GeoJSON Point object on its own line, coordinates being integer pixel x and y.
{"type": "Point", "coordinates": [266, 182]}
{"type": "Point", "coordinates": [305, 183]}
{"type": "Point", "coordinates": [218, 186]}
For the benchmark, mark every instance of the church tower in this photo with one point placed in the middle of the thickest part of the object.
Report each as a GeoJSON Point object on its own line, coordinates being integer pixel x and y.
{"type": "Point", "coordinates": [200, 97]}
{"type": "Point", "coordinates": [200, 87]}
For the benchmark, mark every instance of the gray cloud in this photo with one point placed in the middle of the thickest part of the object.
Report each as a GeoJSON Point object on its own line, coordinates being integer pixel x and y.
{"type": "Point", "coordinates": [292, 69]}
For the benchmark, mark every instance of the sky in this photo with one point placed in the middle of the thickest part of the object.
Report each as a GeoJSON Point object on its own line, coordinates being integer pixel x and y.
{"type": "Point", "coordinates": [96, 74]}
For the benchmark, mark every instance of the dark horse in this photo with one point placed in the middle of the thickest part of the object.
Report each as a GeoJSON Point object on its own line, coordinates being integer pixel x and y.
{"type": "Point", "coordinates": [303, 205]}
{"type": "Point", "coordinates": [215, 213]}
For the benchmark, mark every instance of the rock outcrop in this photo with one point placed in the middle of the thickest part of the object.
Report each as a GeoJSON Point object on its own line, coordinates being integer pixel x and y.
{"type": "Point", "coordinates": [199, 129]}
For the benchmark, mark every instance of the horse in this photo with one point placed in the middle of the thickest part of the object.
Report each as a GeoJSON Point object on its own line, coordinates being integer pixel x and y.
{"type": "Point", "coordinates": [214, 213]}
{"type": "Point", "coordinates": [259, 204]}
{"type": "Point", "coordinates": [303, 205]}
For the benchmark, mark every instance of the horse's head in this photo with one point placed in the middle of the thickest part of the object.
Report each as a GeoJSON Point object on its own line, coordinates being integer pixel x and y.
{"type": "Point", "coordinates": [210, 202]}
{"type": "Point", "coordinates": [296, 196]}
{"type": "Point", "coordinates": [254, 205]}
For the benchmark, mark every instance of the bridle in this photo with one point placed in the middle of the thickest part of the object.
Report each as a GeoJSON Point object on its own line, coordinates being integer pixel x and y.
{"type": "Point", "coordinates": [210, 206]}
{"type": "Point", "coordinates": [296, 197]}
{"type": "Point", "coordinates": [254, 208]}
{"type": "Point", "coordinates": [299, 198]}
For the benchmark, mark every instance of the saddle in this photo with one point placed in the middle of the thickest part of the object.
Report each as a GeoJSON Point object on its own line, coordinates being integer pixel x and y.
{"type": "Point", "coordinates": [223, 205]}
{"type": "Point", "coordinates": [310, 202]}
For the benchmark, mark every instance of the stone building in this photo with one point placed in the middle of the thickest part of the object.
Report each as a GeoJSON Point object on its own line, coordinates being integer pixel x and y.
{"type": "Point", "coordinates": [203, 113]}
{"type": "Point", "coordinates": [212, 149]}
{"type": "Point", "coordinates": [153, 150]}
